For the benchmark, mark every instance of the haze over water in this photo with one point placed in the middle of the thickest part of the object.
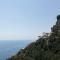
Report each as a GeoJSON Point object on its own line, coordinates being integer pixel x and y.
{"type": "Point", "coordinates": [10, 48]}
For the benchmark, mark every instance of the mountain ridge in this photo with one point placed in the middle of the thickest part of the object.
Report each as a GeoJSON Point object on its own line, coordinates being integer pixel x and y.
{"type": "Point", "coordinates": [47, 47]}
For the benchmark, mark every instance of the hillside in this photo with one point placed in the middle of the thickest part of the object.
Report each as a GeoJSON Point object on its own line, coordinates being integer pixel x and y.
{"type": "Point", "coordinates": [47, 47]}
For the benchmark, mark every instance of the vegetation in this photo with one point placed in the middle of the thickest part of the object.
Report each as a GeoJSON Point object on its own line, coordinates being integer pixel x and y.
{"type": "Point", "coordinates": [46, 47]}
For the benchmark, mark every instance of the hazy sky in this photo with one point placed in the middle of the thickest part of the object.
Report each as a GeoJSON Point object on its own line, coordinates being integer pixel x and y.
{"type": "Point", "coordinates": [26, 19]}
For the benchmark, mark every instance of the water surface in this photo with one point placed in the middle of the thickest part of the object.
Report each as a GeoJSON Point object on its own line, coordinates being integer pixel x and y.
{"type": "Point", "coordinates": [11, 47]}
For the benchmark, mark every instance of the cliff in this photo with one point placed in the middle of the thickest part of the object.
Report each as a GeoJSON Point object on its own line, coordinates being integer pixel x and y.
{"type": "Point", "coordinates": [46, 47]}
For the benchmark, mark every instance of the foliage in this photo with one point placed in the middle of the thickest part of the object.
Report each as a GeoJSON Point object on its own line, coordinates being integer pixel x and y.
{"type": "Point", "coordinates": [45, 48]}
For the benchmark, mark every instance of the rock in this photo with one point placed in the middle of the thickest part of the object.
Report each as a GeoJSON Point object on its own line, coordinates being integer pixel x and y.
{"type": "Point", "coordinates": [47, 48]}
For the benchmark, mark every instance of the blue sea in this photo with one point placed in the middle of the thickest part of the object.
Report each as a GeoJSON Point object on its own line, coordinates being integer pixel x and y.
{"type": "Point", "coordinates": [9, 48]}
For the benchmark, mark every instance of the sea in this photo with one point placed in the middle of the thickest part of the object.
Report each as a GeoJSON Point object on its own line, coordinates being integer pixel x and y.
{"type": "Point", "coordinates": [9, 48]}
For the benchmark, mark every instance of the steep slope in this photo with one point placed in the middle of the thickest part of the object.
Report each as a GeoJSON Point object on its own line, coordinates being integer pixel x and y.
{"type": "Point", "coordinates": [46, 47]}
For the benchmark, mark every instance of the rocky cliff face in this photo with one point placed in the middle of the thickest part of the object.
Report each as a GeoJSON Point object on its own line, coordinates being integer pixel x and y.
{"type": "Point", "coordinates": [40, 50]}
{"type": "Point", "coordinates": [57, 25]}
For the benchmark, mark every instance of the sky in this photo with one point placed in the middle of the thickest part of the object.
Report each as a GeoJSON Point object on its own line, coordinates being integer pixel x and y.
{"type": "Point", "coordinates": [27, 19]}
